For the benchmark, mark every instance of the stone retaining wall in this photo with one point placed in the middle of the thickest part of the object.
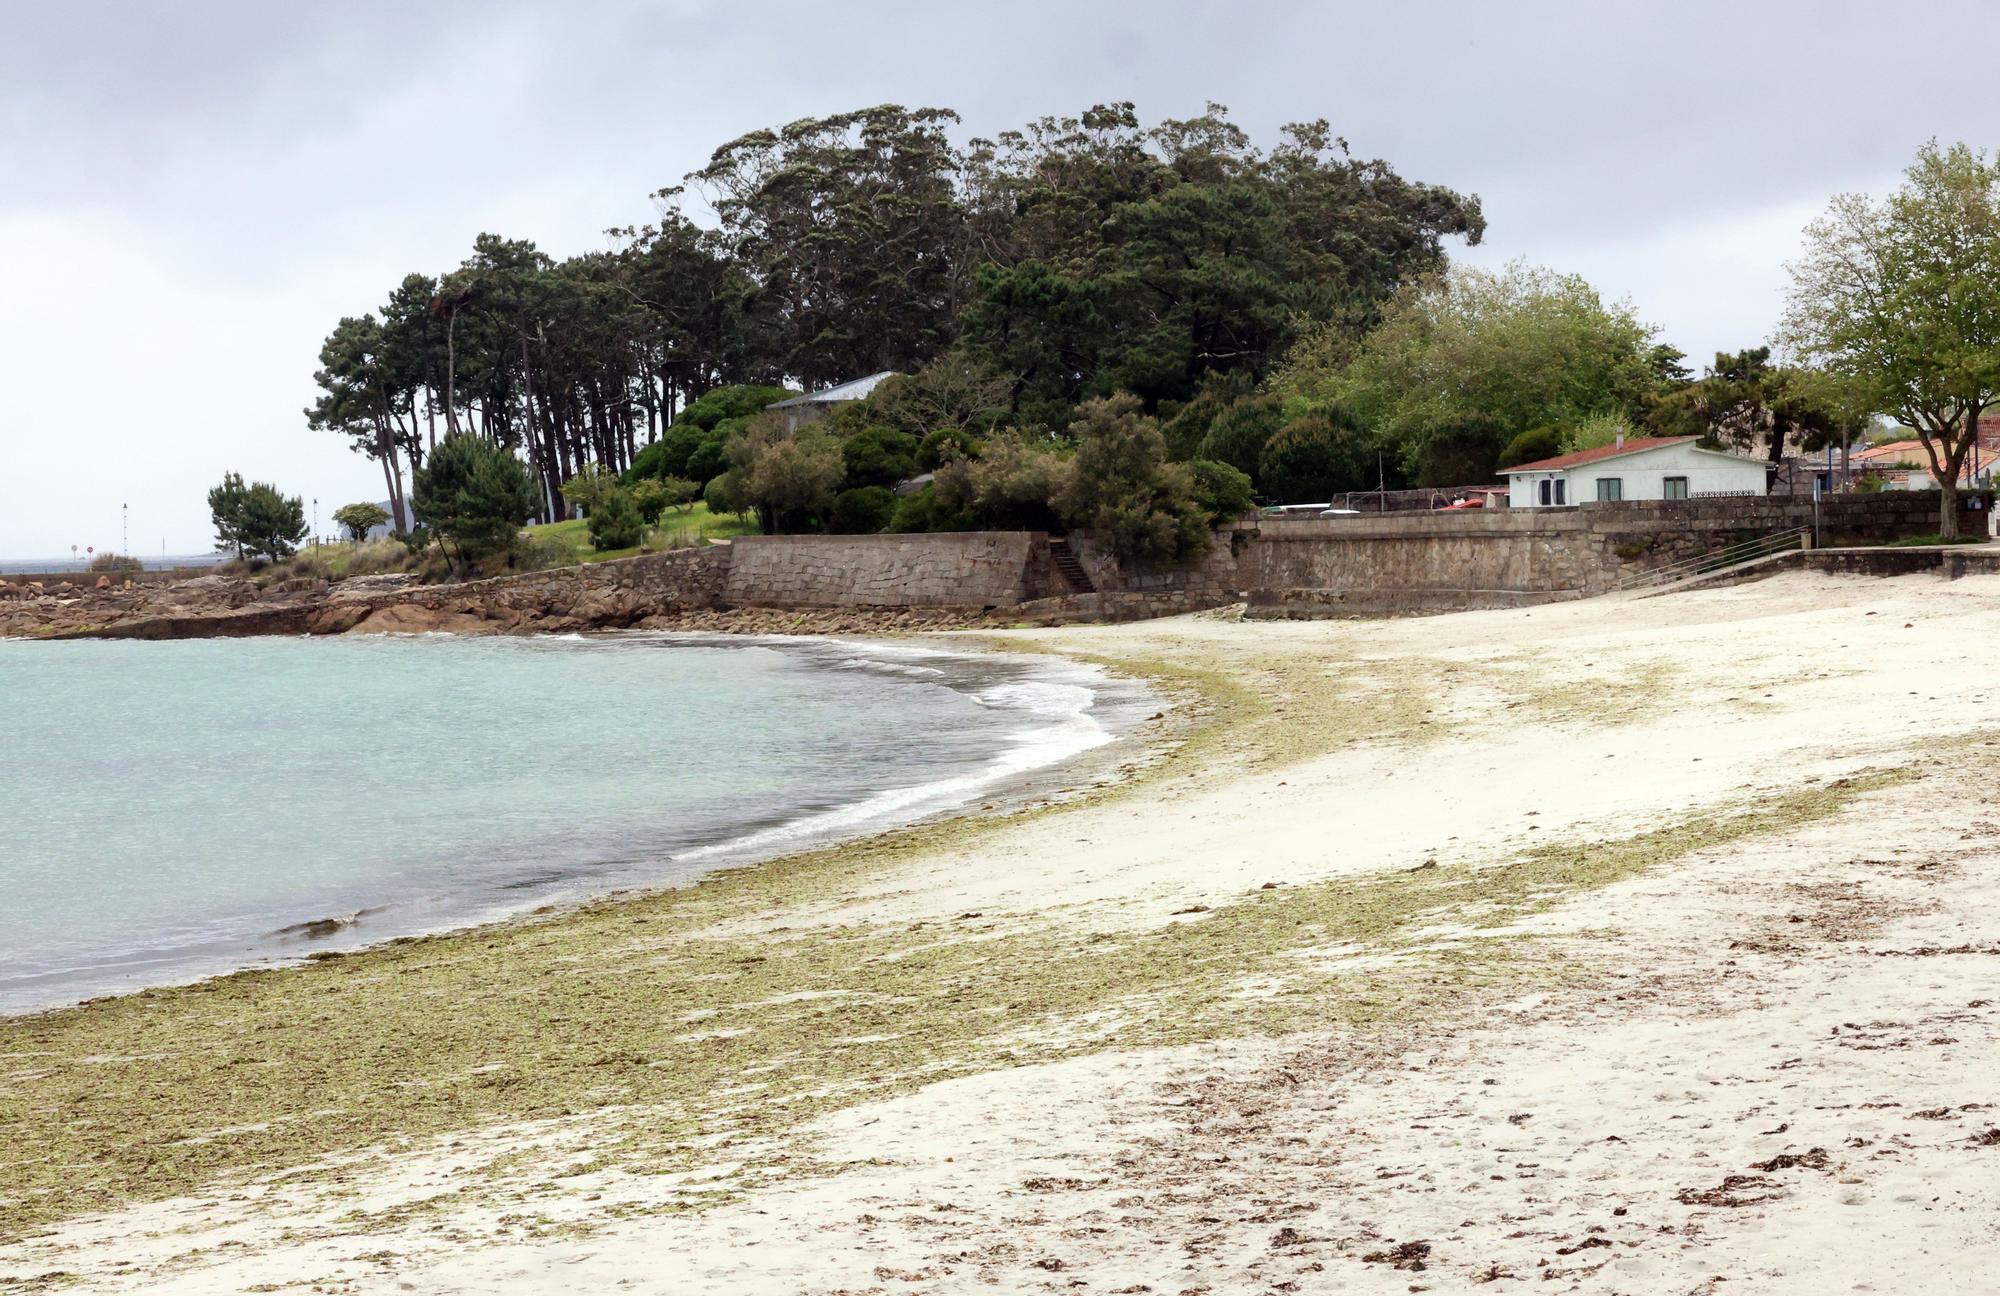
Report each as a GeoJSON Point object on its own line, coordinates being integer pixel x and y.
{"type": "Point", "coordinates": [970, 569]}
{"type": "Point", "coordinates": [1445, 561]}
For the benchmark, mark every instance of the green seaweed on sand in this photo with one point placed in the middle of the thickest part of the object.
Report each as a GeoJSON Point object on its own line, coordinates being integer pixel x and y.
{"type": "Point", "coordinates": [684, 1044]}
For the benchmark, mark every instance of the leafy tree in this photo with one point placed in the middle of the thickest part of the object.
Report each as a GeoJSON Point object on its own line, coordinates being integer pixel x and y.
{"type": "Point", "coordinates": [359, 519]}
{"type": "Point", "coordinates": [615, 521]}
{"type": "Point", "coordinates": [1523, 348]}
{"type": "Point", "coordinates": [1124, 490]}
{"type": "Point", "coordinates": [791, 478]}
{"type": "Point", "coordinates": [1460, 449]}
{"type": "Point", "coordinates": [588, 488]}
{"type": "Point", "coordinates": [952, 393]}
{"type": "Point", "coordinates": [1532, 446]}
{"type": "Point", "coordinates": [863, 510]}
{"type": "Point", "coordinates": [879, 456]}
{"type": "Point", "coordinates": [1747, 402]}
{"type": "Point", "coordinates": [1317, 457]}
{"type": "Point", "coordinates": [1223, 493]}
{"type": "Point", "coordinates": [851, 227]}
{"type": "Point", "coordinates": [473, 494]}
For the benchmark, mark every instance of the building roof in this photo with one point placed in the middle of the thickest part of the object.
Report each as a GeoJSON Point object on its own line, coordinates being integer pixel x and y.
{"type": "Point", "coordinates": [1631, 445]}
{"type": "Point", "coordinates": [852, 390]}
{"type": "Point", "coordinates": [1892, 451]}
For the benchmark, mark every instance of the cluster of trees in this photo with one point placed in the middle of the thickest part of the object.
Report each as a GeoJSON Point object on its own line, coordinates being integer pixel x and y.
{"type": "Point", "coordinates": [1222, 314]}
{"type": "Point", "coordinates": [1071, 260]}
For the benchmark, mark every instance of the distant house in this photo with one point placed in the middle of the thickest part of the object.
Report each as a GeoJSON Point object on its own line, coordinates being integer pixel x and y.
{"type": "Point", "coordinates": [1636, 468]}
{"type": "Point", "coordinates": [801, 410]}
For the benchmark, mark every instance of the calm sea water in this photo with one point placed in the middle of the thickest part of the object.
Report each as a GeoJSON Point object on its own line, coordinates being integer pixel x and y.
{"type": "Point", "coordinates": [178, 809]}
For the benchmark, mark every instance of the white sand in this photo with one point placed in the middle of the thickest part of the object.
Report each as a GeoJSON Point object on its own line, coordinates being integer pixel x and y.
{"type": "Point", "coordinates": [1770, 997]}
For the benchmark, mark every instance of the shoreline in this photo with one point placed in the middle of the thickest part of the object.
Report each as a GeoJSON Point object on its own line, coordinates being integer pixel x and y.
{"type": "Point", "coordinates": [1116, 708]}
{"type": "Point", "coordinates": [1443, 879]}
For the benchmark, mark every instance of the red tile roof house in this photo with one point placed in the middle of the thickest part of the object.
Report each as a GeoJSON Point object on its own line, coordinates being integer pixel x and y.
{"type": "Point", "coordinates": [1636, 468]}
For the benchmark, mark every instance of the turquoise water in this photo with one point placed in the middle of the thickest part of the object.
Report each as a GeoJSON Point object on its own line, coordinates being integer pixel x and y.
{"type": "Point", "coordinates": [178, 809]}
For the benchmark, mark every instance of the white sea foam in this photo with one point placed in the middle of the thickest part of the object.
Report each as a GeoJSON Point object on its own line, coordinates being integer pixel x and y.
{"type": "Point", "coordinates": [1057, 725]}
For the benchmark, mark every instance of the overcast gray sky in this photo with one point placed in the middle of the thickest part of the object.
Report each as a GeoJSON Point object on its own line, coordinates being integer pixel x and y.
{"type": "Point", "coordinates": [191, 194]}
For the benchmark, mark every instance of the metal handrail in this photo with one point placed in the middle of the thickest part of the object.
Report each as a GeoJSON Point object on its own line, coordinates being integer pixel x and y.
{"type": "Point", "coordinates": [1716, 559]}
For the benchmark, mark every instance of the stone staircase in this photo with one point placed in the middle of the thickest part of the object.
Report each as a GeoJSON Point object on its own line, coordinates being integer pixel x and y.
{"type": "Point", "coordinates": [1073, 574]}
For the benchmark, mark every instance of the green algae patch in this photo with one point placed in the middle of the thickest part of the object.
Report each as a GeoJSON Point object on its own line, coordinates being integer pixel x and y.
{"type": "Point", "coordinates": [685, 1049]}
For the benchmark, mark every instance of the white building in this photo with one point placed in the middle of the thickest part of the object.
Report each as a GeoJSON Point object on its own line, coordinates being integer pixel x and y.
{"type": "Point", "coordinates": [1637, 468]}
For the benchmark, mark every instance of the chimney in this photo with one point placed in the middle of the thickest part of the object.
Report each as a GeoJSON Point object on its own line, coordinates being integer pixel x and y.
{"type": "Point", "coordinates": [1621, 438]}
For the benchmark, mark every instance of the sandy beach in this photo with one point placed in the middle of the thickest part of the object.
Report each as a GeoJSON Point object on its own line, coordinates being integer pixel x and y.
{"type": "Point", "coordinates": [1622, 946]}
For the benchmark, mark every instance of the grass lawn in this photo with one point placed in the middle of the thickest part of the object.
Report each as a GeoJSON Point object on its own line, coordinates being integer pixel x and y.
{"type": "Point", "coordinates": [678, 529]}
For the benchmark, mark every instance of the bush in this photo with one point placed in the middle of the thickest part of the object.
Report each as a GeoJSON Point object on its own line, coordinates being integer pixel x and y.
{"type": "Point", "coordinates": [926, 510]}
{"type": "Point", "coordinates": [1223, 493]}
{"type": "Point", "coordinates": [1239, 433]}
{"type": "Point", "coordinates": [879, 456]}
{"type": "Point", "coordinates": [1532, 446]}
{"type": "Point", "coordinates": [587, 489]}
{"type": "Point", "coordinates": [1190, 424]}
{"type": "Point", "coordinates": [1012, 486]}
{"type": "Point", "coordinates": [474, 494]}
{"type": "Point", "coordinates": [653, 496]}
{"type": "Point", "coordinates": [115, 562]}
{"type": "Point", "coordinates": [944, 445]}
{"type": "Point", "coordinates": [615, 522]}
{"type": "Point", "coordinates": [863, 510]}
{"type": "Point", "coordinates": [1314, 458]}
{"type": "Point", "coordinates": [710, 457]}
{"type": "Point", "coordinates": [1123, 489]}
{"type": "Point", "coordinates": [728, 494]}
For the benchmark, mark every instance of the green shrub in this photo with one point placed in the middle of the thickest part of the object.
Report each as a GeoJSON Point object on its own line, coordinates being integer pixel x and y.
{"type": "Point", "coordinates": [1223, 493]}
{"type": "Point", "coordinates": [879, 456]}
{"type": "Point", "coordinates": [116, 562]}
{"type": "Point", "coordinates": [926, 510]}
{"type": "Point", "coordinates": [1315, 458]}
{"type": "Point", "coordinates": [944, 445]}
{"type": "Point", "coordinates": [1012, 486]}
{"type": "Point", "coordinates": [615, 522]}
{"type": "Point", "coordinates": [728, 493]}
{"type": "Point", "coordinates": [863, 510]}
